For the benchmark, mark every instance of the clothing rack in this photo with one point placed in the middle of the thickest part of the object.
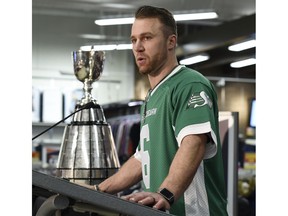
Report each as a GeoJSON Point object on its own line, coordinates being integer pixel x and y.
{"type": "Point", "coordinates": [124, 119]}
{"type": "Point", "coordinates": [122, 108]}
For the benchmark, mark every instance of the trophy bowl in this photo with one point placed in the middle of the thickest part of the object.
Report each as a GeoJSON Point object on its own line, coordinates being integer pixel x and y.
{"type": "Point", "coordinates": [88, 65]}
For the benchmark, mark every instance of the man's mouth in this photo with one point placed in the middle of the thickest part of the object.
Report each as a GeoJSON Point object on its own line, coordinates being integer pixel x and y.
{"type": "Point", "coordinates": [141, 60]}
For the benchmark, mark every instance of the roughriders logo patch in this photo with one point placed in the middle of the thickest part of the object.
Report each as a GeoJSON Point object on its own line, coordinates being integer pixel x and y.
{"type": "Point", "coordinates": [199, 100]}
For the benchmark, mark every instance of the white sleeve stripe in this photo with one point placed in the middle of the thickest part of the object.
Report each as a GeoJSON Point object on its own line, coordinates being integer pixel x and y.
{"type": "Point", "coordinates": [137, 155]}
{"type": "Point", "coordinates": [211, 148]}
{"type": "Point", "coordinates": [193, 129]}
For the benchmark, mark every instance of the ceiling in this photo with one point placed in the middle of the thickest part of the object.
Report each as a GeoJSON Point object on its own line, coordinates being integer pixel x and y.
{"type": "Point", "coordinates": [236, 22]}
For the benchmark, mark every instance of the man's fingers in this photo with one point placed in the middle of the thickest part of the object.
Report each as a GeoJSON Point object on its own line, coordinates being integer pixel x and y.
{"type": "Point", "coordinates": [149, 199]}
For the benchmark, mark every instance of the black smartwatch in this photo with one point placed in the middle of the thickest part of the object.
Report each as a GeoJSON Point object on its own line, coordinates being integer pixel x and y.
{"type": "Point", "coordinates": [169, 196]}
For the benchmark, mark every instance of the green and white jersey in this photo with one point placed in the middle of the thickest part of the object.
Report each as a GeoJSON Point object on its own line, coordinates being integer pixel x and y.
{"type": "Point", "coordinates": [183, 103]}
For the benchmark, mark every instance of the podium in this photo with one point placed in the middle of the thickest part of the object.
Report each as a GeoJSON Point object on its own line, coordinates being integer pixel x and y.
{"type": "Point", "coordinates": [60, 195]}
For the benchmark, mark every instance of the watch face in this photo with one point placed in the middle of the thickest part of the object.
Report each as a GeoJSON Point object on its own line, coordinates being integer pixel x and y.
{"type": "Point", "coordinates": [167, 195]}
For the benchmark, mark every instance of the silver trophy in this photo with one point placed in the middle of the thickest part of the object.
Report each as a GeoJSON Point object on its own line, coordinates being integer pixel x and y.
{"type": "Point", "coordinates": [88, 153]}
{"type": "Point", "coordinates": [88, 67]}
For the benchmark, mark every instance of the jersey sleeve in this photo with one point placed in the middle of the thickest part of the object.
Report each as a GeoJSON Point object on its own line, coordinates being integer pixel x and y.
{"type": "Point", "coordinates": [194, 113]}
{"type": "Point", "coordinates": [137, 155]}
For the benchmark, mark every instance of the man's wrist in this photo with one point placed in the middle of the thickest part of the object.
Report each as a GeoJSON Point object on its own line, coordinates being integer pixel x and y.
{"type": "Point", "coordinates": [167, 195]}
{"type": "Point", "coordinates": [96, 187]}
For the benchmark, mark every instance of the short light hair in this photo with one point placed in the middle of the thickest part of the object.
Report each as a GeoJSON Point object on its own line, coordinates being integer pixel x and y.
{"type": "Point", "coordinates": [164, 16]}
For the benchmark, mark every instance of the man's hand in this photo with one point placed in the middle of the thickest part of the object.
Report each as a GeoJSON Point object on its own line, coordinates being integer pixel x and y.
{"type": "Point", "coordinates": [154, 200]}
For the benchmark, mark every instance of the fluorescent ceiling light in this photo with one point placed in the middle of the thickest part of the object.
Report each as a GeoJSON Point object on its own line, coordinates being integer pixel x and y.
{"type": "Point", "coordinates": [107, 47]}
{"type": "Point", "coordinates": [135, 103]}
{"type": "Point", "coordinates": [195, 16]}
{"type": "Point", "coordinates": [243, 46]}
{"type": "Point", "coordinates": [93, 36]}
{"type": "Point", "coordinates": [119, 6]}
{"type": "Point", "coordinates": [124, 46]}
{"type": "Point", "coordinates": [194, 59]}
{"type": "Point", "coordinates": [243, 63]}
{"type": "Point", "coordinates": [116, 21]}
{"type": "Point", "coordinates": [178, 17]}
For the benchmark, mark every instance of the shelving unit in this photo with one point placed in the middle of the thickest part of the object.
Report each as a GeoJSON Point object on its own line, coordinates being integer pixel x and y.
{"type": "Point", "coordinates": [54, 133]}
{"type": "Point", "coordinates": [46, 146]}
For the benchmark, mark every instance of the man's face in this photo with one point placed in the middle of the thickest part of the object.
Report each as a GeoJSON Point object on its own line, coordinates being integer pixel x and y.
{"type": "Point", "coordinates": [149, 45]}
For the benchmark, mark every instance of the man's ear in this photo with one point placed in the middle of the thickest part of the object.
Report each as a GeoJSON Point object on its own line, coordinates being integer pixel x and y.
{"type": "Point", "coordinates": [172, 40]}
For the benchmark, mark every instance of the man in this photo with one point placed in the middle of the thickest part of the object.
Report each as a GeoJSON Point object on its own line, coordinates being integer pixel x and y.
{"type": "Point", "coordinates": [179, 154]}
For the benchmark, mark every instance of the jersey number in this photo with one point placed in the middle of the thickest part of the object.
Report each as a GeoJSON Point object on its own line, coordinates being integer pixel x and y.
{"type": "Point", "coordinates": [145, 156]}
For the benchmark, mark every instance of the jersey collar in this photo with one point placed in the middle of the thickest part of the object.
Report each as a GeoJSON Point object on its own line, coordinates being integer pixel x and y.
{"type": "Point", "coordinates": [174, 71]}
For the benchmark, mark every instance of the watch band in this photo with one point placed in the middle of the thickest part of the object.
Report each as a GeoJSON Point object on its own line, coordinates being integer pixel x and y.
{"type": "Point", "coordinates": [168, 195]}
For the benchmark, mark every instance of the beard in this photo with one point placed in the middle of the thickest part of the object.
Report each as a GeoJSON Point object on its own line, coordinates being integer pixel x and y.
{"type": "Point", "coordinates": [152, 66]}
{"type": "Point", "coordinates": [145, 70]}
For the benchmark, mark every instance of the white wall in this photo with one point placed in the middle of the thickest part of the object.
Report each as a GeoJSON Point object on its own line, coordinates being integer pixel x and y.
{"type": "Point", "coordinates": [51, 61]}
{"type": "Point", "coordinates": [116, 82]}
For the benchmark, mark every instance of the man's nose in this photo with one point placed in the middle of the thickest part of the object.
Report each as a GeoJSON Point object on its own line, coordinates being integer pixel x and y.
{"type": "Point", "coordinates": [138, 46]}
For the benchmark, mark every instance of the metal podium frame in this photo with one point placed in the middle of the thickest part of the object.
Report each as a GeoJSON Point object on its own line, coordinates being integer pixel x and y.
{"type": "Point", "coordinates": [229, 129]}
{"type": "Point", "coordinates": [86, 199]}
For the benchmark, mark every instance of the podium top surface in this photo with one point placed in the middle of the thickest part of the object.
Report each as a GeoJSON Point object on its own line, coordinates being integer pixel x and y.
{"type": "Point", "coordinates": [47, 185]}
